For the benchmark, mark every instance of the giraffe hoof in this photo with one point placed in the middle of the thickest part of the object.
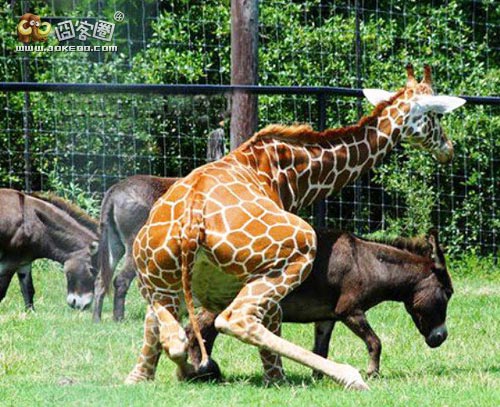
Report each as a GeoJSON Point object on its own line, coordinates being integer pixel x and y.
{"type": "Point", "coordinates": [137, 377]}
{"type": "Point", "coordinates": [359, 385]}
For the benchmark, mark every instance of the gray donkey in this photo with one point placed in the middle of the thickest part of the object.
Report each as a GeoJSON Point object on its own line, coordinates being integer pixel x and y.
{"type": "Point", "coordinates": [125, 209]}
{"type": "Point", "coordinates": [34, 227]}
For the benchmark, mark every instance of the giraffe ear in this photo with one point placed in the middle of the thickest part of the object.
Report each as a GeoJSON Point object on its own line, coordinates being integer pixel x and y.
{"type": "Point", "coordinates": [375, 96]}
{"type": "Point", "coordinates": [439, 104]}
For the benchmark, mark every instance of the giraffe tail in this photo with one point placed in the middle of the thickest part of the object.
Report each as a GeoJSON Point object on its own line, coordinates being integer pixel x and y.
{"type": "Point", "coordinates": [208, 368]}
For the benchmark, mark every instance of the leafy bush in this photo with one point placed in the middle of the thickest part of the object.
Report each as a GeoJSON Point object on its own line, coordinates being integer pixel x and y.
{"type": "Point", "coordinates": [89, 141]}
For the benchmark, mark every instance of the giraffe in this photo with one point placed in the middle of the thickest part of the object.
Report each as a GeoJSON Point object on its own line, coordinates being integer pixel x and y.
{"type": "Point", "coordinates": [229, 234]}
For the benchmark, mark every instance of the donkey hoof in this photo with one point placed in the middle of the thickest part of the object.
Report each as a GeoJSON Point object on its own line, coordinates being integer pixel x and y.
{"type": "Point", "coordinates": [185, 373]}
{"type": "Point", "coordinates": [208, 372]}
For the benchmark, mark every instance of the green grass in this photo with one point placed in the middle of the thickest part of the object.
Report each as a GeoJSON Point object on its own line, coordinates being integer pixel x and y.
{"type": "Point", "coordinates": [57, 356]}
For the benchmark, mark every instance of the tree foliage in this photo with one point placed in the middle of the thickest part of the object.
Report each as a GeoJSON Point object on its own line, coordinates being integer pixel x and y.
{"type": "Point", "coordinates": [91, 140]}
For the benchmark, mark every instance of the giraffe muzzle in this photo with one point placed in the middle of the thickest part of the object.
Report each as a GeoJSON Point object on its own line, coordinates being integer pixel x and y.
{"type": "Point", "coordinates": [445, 153]}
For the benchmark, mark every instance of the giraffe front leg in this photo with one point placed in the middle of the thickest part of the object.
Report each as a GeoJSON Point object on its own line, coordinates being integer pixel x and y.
{"type": "Point", "coordinates": [150, 353]}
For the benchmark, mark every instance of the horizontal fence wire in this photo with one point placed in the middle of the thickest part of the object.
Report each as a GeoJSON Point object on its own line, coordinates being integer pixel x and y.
{"type": "Point", "coordinates": [94, 139]}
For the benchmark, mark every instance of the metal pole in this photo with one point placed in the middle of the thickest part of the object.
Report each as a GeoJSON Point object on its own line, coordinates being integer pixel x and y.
{"type": "Point", "coordinates": [26, 121]}
{"type": "Point", "coordinates": [320, 206]}
{"type": "Point", "coordinates": [359, 82]}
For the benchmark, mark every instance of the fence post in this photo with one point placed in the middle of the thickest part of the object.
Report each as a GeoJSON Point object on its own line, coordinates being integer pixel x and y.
{"type": "Point", "coordinates": [320, 206]}
{"type": "Point", "coordinates": [244, 39]}
{"type": "Point", "coordinates": [27, 143]}
{"type": "Point", "coordinates": [359, 83]}
{"type": "Point", "coordinates": [26, 119]}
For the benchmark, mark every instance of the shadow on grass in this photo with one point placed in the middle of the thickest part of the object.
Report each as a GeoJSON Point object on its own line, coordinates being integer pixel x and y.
{"type": "Point", "coordinates": [439, 371]}
{"type": "Point", "coordinates": [257, 380]}
{"type": "Point", "coordinates": [299, 380]}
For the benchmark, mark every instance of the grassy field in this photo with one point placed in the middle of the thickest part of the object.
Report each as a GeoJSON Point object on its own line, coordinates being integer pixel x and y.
{"type": "Point", "coordinates": [58, 357]}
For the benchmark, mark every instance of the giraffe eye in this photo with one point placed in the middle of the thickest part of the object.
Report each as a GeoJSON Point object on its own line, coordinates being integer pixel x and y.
{"type": "Point", "coordinates": [439, 116]}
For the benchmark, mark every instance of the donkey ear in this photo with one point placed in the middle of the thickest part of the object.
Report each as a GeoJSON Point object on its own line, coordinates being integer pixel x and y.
{"type": "Point", "coordinates": [437, 253]}
{"type": "Point", "coordinates": [94, 247]}
{"type": "Point", "coordinates": [375, 96]}
{"type": "Point", "coordinates": [439, 104]}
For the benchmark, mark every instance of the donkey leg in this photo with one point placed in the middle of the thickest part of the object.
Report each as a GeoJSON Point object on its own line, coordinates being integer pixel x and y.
{"type": "Point", "coordinates": [358, 324]}
{"type": "Point", "coordinates": [150, 353]}
{"type": "Point", "coordinates": [206, 320]}
{"type": "Point", "coordinates": [99, 293]}
{"type": "Point", "coordinates": [5, 278]}
{"type": "Point", "coordinates": [26, 283]}
{"type": "Point", "coordinates": [115, 252]}
{"type": "Point", "coordinates": [122, 284]}
{"type": "Point", "coordinates": [322, 336]}
{"type": "Point", "coordinates": [243, 319]}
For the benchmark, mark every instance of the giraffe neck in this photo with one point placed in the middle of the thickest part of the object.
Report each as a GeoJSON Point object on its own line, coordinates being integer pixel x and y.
{"type": "Point", "coordinates": [303, 168]}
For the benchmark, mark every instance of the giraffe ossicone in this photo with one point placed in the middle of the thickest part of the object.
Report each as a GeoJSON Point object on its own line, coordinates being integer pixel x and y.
{"type": "Point", "coordinates": [229, 233]}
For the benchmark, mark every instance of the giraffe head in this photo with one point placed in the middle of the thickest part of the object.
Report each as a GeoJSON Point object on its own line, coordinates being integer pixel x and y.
{"type": "Point", "coordinates": [420, 124]}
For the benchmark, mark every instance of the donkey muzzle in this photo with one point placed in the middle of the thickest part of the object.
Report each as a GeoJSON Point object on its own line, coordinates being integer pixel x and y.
{"type": "Point", "coordinates": [437, 336]}
{"type": "Point", "coordinates": [79, 301]}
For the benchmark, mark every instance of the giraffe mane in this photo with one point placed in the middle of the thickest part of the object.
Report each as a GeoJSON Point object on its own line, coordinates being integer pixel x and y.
{"type": "Point", "coordinates": [304, 133]}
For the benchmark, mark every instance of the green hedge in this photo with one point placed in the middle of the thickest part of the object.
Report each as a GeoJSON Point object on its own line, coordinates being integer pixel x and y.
{"type": "Point", "coordinates": [301, 43]}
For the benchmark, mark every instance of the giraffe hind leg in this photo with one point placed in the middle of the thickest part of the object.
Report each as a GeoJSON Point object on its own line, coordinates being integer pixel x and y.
{"type": "Point", "coordinates": [273, 366]}
{"type": "Point", "coordinates": [172, 336]}
{"type": "Point", "coordinates": [150, 353]}
{"type": "Point", "coordinates": [243, 320]}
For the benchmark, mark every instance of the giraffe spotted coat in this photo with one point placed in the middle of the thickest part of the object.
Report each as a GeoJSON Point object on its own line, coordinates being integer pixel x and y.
{"type": "Point", "coordinates": [228, 231]}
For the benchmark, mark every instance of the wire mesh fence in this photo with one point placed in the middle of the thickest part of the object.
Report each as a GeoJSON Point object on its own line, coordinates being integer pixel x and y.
{"type": "Point", "coordinates": [80, 144]}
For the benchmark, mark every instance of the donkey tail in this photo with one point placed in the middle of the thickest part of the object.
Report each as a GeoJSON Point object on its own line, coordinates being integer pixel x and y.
{"type": "Point", "coordinates": [103, 255]}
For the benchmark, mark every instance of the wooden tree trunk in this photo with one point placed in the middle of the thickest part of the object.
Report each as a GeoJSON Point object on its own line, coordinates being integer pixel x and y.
{"type": "Point", "coordinates": [244, 40]}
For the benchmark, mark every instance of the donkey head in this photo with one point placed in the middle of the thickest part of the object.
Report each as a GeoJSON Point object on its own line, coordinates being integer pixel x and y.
{"type": "Point", "coordinates": [421, 125]}
{"type": "Point", "coordinates": [81, 272]}
{"type": "Point", "coordinates": [429, 300]}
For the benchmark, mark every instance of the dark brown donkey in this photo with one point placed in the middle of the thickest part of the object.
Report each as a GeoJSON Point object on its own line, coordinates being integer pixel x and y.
{"type": "Point", "coordinates": [351, 275]}
{"type": "Point", "coordinates": [124, 211]}
{"type": "Point", "coordinates": [34, 227]}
